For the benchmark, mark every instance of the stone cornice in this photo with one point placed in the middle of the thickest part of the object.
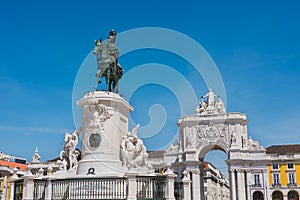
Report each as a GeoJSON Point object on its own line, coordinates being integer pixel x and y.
{"type": "Point", "coordinates": [228, 118]}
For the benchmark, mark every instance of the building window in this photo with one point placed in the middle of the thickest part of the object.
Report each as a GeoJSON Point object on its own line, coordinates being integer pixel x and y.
{"type": "Point", "coordinates": [275, 166]}
{"type": "Point", "coordinates": [290, 165]}
{"type": "Point", "coordinates": [276, 180]}
{"type": "Point", "coordinates": [256, 180]}
{"type": "Point", "coordinates": [292, 179]}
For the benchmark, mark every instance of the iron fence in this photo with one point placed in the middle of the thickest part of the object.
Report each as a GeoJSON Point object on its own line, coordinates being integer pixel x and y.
{"type": "Point", "coordinates": [39, 189]}
{"type": "Point", "coordinates": [89, 188]}
{"type": "Point", "coordinates": [151, 187]}
{"type": "Point", "coordinates": [18, 191]}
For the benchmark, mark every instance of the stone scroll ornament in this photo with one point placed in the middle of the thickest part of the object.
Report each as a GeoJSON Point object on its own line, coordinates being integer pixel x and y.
{"type": "Point", "coordinates": [133, 151]}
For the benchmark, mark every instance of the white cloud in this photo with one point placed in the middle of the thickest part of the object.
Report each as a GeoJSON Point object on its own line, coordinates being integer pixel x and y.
{"type": "Point", "coordinates": [32, 130]}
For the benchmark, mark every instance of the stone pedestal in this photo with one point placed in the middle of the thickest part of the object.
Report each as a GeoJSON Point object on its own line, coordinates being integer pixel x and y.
{"type": "Point", "coordinates": [28, 187]}
{"type": "Point", "coordinates": [132, 185]}
{"type": "Point", "coordinates": [104, 122]}
{"type": "Point", "coordinates": [170, 185]}
{"type": "Point", "coordinates": [186, 186]}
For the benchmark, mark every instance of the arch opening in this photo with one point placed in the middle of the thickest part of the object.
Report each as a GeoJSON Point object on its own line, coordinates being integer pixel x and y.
{"type": "Point", "coordinates": [258, 195]}
{"type": "Point", "coordinates": [277, 195]}
{"type": "Point", "coordinates": [215, 173]}
{"type": "Point", "coordinates": [211, 147]}
{"type": "Point", "coordinates": [293, 195]}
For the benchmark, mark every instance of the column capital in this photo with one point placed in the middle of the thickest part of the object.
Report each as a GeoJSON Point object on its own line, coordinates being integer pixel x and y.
{"type": "Point", "coordinates": [131, 174]}
{"type": "Point", "coordinates": [239, 170]}
{"type": "Point", "coordinates": [195, 171]}
{"type": "Point", "coordinates": [232, 170]}
{"type": "Point", "coordinates": [264, 170]}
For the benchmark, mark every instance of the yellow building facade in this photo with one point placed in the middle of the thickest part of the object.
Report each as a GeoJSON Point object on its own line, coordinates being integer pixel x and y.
{"type": "Point", "coordinates": [7, 170]}
{"type": "Point", "coordinates": [284, 172]}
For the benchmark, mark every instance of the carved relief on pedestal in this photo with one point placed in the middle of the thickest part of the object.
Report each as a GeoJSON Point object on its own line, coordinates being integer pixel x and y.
{"type": "Point", "coordinates": [96, 115]}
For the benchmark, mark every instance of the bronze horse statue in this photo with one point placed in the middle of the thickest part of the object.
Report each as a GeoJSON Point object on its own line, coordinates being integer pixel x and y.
{"type": "Point", "coordinates": [108, 67]}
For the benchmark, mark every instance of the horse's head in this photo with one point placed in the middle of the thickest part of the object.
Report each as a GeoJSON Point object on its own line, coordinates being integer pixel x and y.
{"type": "Point", "coordinates": [96, 47]}
{"type": "Point", "coordinates": [100, 48]}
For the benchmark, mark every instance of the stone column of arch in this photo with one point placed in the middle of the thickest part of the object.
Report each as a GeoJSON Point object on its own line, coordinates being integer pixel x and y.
{"type": "Point", "coordinates": [202, 179]}
{"type": "Point", "coordinates": [248, 183]}
{"type": "Point", "coordinates": [232, 184]}
{"type": "Point", "coordinates": [265, 183]}
{"type": "Point", "coordinates": [196, 184]}
{"type": "Point", "coordinates": [186, 186]}
{"type": "Point", "coordinates": [241, 184]}
{"type": "Point", "coordinates": [243, 176]}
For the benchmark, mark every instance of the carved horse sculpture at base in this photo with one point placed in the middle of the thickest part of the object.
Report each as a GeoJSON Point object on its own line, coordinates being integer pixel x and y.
{"type": "Point", "coordinates": [107, 67]}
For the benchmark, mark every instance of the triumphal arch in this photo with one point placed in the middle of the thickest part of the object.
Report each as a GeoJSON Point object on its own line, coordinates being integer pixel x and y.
{"type": "Point", "coordinates": [212, 128]}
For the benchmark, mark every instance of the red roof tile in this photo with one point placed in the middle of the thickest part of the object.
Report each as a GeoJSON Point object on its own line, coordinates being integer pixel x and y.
{"type": "Point", "coordinates": [13, 165]}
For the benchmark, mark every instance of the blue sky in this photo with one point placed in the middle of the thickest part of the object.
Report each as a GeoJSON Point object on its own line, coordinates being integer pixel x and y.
{"type": "Point", "coordinates": [255, 45]}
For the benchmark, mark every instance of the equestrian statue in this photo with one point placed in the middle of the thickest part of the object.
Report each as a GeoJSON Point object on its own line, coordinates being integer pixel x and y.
{"type": "Point", "coordinates": [107, 60]}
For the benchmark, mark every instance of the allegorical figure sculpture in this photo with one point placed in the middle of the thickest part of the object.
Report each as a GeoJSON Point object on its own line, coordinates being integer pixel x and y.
{"type": "Point", "coordinates": [220, 106]}
{"type": "Point", "coordinates": [133, 151]}
{"type": "Point", "coordinates": [69, 156]}
{"type": "Point", "coordinates": [107, 60]}
{"type": "Point", "coordinates": [210, 98]}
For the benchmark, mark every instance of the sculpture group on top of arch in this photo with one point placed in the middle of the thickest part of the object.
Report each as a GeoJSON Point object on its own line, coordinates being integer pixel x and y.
{"type": "Point", "coordinates": [208, 104]}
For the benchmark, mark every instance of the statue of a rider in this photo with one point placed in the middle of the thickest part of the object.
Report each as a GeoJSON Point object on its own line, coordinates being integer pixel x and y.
{"type": "Point", "coordinates": [113, 52]}
{"type": "Point", "coordinates": [108, 65]}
